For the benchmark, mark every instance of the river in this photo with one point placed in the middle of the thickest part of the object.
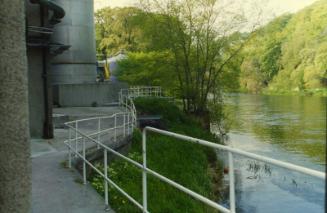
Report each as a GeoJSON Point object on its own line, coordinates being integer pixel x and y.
{"type": "Point", "coordinates": [287, 128]}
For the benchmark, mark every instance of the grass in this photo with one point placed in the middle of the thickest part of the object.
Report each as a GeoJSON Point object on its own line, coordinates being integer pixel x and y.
{"type": "Point", "coordinates": [189, 164]}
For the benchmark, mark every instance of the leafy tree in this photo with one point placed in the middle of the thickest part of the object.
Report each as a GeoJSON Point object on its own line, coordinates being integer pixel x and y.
{"type": "Point", "coordinates": [119, 29]}
{"type": "Point", "coordinates": [289, 53]}
{"type": "Point", "coordinates": [149, 68]}
{"type": "Point", "coordinates": [196, 35]}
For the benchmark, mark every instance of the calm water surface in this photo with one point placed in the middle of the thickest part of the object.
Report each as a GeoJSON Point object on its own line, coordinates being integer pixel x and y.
{"type": "Point", "coordinates": [288, 128]}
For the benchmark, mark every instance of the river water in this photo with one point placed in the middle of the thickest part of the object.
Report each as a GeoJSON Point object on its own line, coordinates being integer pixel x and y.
{"type": "Point", "coordinates": [287, 128]}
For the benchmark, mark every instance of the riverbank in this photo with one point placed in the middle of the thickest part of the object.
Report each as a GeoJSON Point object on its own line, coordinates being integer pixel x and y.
{"type": "Point", "coordinates": [319, 92]}
{"type": "Point", "coordinates": [189, 164]}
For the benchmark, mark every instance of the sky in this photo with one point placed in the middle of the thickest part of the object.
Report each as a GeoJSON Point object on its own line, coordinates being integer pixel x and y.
{"type": "Point", "coordinates": [270, 8]}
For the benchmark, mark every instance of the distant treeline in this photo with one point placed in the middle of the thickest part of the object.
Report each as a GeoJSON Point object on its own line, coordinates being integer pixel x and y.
{"type": "Point", "coordinates": [287, 55]}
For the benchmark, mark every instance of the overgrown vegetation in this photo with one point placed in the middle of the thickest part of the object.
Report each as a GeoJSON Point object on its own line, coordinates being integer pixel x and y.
{"type": "Point", "coordinates": [289, 55]}
{"type": "Point", "coordinates": [189, 164]}
{"type": "Point", "coordinates": [190, 50]}
{"type": "Point", "coordinates": [184, 46]}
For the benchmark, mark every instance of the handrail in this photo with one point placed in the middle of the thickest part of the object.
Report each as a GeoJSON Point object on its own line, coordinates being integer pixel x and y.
{"type": "Point", "coordinates": [126, 99]}
{"type": "Point", "coordinates": [146, 170]}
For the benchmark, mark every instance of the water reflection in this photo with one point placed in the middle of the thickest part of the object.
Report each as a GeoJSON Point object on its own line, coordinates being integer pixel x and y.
{"type": "Point", "coordinates": [297, 124]}
{"type": "Point", "coordinates": [286, 128]}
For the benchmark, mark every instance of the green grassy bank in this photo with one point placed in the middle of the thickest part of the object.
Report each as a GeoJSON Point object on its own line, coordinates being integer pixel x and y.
{"type": "Point", "coordinates": [189, 164]}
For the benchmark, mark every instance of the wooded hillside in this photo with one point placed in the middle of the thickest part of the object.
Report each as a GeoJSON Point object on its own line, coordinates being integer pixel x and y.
{"type": "Point", "coordinates": [288, 54]}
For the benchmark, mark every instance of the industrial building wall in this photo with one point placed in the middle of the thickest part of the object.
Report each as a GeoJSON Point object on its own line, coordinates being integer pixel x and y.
{"type": "Point", "coordinates": [77, 65]}
{"type": "Point", "coordinates": [36, 92]}
{"type": "Point", "coordinates": [15, 184]}
{"type": "Point", "coordinates": [35, 79]}
{"type": "Point", "coordinates": [86, 95]}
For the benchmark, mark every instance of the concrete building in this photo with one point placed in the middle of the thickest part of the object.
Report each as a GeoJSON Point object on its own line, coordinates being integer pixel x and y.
{"type": "Point", "coordinates": [15, 172]}
{"type": "Point", "coordinates": [41, 49]}
{"type": "Point", "coordinates": [62, 61]}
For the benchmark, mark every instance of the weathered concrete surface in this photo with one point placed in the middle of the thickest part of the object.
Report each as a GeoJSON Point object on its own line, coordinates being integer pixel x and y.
{"type": "Point", "coordinates": [56, 188]}
{"type": "Point", "coordinates": [14, 130]}
{"type": "Point", "coordinates": [74, 113]}
{"type": "Point", "coordinates": [35, 78]}
{"type": "Point", "coordinates": [84, 95]}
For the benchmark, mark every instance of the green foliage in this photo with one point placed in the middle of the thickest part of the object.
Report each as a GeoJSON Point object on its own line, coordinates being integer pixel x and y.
{"type": "Point", "coordinates": [148, 68]}
{"type": "Point", "coordinates": [288, 54]}
{"type": "Point", "coordinates": [189, 164]}
{"type": "Point", "coordinates": [262, 56]}
{"type": "Point", "coordinates": [119, 29]}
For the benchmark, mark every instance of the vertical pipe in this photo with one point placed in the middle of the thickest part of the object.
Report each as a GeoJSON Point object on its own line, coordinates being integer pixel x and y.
{"type": "Point", "coordinates": [144, 178]}
{"type": "Point", "coordinates": [231, 183]}
{"type": "Point", "coordinates": [99, 129]}
{"type": "Point", "coordinates": [69, 149]}
{"type": "Point", "coordinates": [106, 176]}
{"type": "Point", "coordinates": [84, 163]}
{"type": "Point", "coordinates": [115, 136]}
{"type": "Point", "coordinates": [47, 87]}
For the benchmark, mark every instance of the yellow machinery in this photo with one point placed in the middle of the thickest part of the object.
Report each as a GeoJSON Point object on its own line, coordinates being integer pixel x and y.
{"type": "Point", "coordinates": [103, 70]}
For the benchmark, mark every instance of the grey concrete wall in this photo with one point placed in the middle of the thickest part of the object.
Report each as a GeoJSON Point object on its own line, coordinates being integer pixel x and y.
{"type": "Point", "coordinates": [14, 131]}
{"type": "Point", "coordinates": [36, 93]}
{"type": "Point", "coordinates": [35, 80]}
{"type": "Point", "coordinates": [78, 64]}
{"type": "Point", "coordinates": [73, 95]}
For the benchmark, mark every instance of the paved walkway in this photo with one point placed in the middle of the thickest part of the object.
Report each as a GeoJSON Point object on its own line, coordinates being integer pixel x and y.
{"type": "Point", "coordinates": [55, 188]}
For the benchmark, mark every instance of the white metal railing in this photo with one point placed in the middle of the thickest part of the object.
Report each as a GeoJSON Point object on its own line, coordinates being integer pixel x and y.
{"type": "Point", "coordinates": [145, 170]}
{"type": "Point", "coordinates": [126, 97]}
{"type": "Point", "coordinates": [141, 91]}
{"type": "Point", "coordinates": [112, 126]}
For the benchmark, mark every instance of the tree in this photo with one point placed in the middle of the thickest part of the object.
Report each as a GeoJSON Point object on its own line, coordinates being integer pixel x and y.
{"type": "Point", "coordinates": [198, 37]}
{"type": "Point", "coordinates": [149, 68]}
{"type": "Point", "coordinates": [119, 29]}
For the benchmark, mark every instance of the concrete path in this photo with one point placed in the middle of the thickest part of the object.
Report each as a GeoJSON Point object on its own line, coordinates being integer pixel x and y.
{"type": "Point", "coordinates": [55, 188]}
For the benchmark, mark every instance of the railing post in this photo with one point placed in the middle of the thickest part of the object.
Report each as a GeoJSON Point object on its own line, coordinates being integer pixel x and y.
{"type": "Point", "coordinates": [115, 136]}
{"type": "Point", "coordinates": [126, 104]}
{"type": "Point", "coordinates": [99, 129]}
{"type": "Point", "coordinates": [231, 183]}
{"type": "Point", "coordinates": [128, 125]}
{"type": "Point", "coordinates": [124, 125]}
{"type": "Point", "coordinates": [144, 178]}
{"type": "Point", "coordinates": [106, 176]}
{"type": "Point", "coordinates": [84, 163]}
{"type": "Point", "coordinates": [76, 140]}
{"type": "Point", "coordinates": [69, 149]}
{"type": "Point", "coordinates": [119, 97]}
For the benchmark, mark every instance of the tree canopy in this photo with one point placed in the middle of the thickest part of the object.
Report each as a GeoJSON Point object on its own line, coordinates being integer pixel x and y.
{"type": "Point", "coordinates": [288, 54]}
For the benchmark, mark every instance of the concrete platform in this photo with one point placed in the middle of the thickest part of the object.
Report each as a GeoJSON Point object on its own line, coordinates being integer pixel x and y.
{"type": "Point", "coordinates": [56, 188]}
